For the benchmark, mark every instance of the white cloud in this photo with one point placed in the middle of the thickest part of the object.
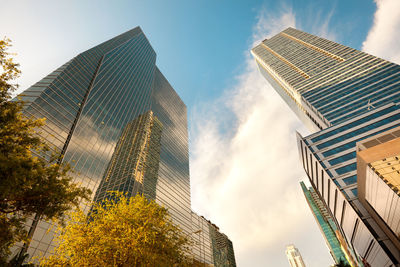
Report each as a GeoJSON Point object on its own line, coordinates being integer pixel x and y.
{"type": "Point", "coordinates": [245, 178]}
{"type": "Point", "coordinates": [269, 24]}
{"type": "Point", "coordinates": [320, 24]}
{"type": "Point", "coordinates": [383, 38]}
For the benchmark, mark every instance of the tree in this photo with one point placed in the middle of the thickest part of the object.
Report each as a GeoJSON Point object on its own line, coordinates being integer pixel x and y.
{"type": "Point", "coordinates": [121, 231]}
{"type": "Point", "coordinates": [33, 182]}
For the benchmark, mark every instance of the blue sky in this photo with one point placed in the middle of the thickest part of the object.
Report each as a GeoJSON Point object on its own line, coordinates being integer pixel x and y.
{"type": "Point", "coordinates": [244, 163]}
{"type": "Point", "coordinates": [200, 45]}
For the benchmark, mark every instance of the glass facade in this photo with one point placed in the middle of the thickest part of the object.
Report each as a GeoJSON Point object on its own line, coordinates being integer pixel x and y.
{"type": "Point", "coordinates": [330, 82]}
{"type": "Point", "coordinates": [331, 165]}
{"type": "Point", "coordinates": [133, 168]}
{"type": "Point", "coordinates": [327, 225]}
{"type": "Point", "coordinates": [343, 96]}
{"type": "Point", "coordinates": [173, 185]}
{"type": "Point", "coordinates": [114, 117]}
{"type": "Point", "coordinates": [202, 247]}
{"type": "Point", "coordinates": [222, 248]}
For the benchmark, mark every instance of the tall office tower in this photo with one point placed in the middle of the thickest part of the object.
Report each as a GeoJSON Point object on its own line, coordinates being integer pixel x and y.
{"type": "Point", "coordinates": [294, 256]}
{"type": "Point", "coordinates": [222, 247]}
{"type": "Point", "coordinates": [343, 96]}
{"type": "Point", "coordinates": [133, 168]}
{"type": "Point", "coordinates": [328, 227]}
{"type": "Point", "coordinates": [116, 120]}
{"type": "Point", "coordinates": [213, 247]}
{"type": "Point", "coordinates": [325, 83]}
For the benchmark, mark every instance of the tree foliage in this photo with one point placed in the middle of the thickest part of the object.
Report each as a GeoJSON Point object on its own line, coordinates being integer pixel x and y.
{"type": "Point", "coordinates": [121, 232]}
{"type": "Point", "coordinates": [342, 263]}
{"type": "Point", "coordinates": [29, 183]}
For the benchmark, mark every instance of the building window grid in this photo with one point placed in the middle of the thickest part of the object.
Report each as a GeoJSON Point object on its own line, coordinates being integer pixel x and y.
{"type": "Point", "coordinates": [332, 72]}
{"type": "Point", "coordinates": [333, 132]}
{"type": "Point", "coordinates": [359, 100]}
{"type": "Point", "coordinates": [89, 110]}
{"type": "Point", "coordinates": [350, 60]}
{"type": "Point", "coordinates": [338, 74]}
{"type": "Point", "coordinates": [348, 137]}
{"type": "Point", "coordinates": [351, 87]}
{"type": "Point", "coordinates": [77, 132]}
{"type": "Point", "coordinates": [321, 48]}
{"type": "Point", "coordinates": [84, 127]}
{"type": "Point", "coordinates": [343, 76]}
{"type": "Point", "coordinates": [389, 98]}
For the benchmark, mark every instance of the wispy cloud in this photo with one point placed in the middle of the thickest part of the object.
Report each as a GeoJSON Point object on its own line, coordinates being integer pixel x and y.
{"type": "Point", "coordinates": [269, 23]}
{"type": "Point", "coordinates": [383, 38]}
{"type": "Point", "coordinates": [245, 168]}
{"type": "Point", "coordinates": [320, 24]}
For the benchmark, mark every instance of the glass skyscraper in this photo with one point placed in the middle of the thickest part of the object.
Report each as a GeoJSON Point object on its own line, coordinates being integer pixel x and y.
{"type": "Point", "coordinates": [327, 226]}
{"type": "Point", "coordinates": [343, 96]}
{"type": "Point", "coordinates": [221, 250]}
{"type": "Point", "coordinates": [114, 117]}
{"type": "Point", "coordinates": [324, 82]}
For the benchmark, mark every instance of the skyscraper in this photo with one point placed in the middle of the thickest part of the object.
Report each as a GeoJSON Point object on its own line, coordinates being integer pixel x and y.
{"type": "Point", "coordinates": [343, 96]}
{"type": "Point", "coordinates": [221, 250]}
{"type": "Point", "coordinates": [325, 83]}
{"type": "Point", "coordinates": [294, 256]}
{"type": "Point", "coordinates": [327, 226]}
{"type": "Point", "coordinates": [133, 167]}
{"type": "Point", "coordinates": [117, 121]}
